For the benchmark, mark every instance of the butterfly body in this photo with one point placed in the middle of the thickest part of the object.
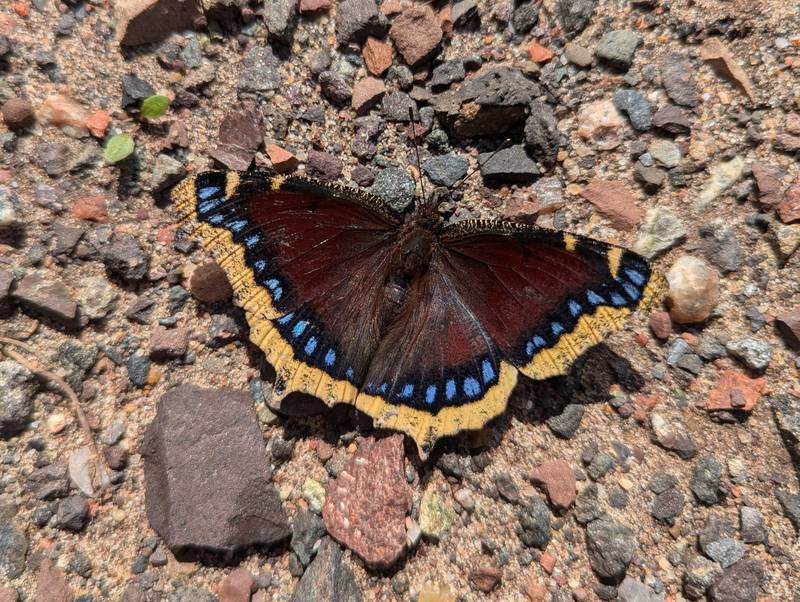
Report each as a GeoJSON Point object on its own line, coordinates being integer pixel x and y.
{"type": "Point", "coordinates": [423, 325]}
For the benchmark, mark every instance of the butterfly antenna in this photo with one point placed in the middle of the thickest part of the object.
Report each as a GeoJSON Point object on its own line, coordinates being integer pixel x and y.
{"type": "Point", "coordinates": [416, 150]}
{"type": "Point", "coordinates": [475, 170]}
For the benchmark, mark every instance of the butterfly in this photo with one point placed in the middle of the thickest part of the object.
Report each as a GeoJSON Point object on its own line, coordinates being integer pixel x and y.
{"type": "Point", "coordinates": [423, 325]}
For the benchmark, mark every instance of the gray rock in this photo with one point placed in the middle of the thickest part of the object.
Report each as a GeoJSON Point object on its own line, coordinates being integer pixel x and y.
{"type": "Point", "coordinates": [260, 72]}
{"type": "Point", "coordinates": [534, 522]}
{"type": "Point", "coordinates": [661, 482]}
{"type": "Point", "coordinates": [700, 574]}
{"type": "Point", "coordinates": [134, 91]}
{"type": "Point", "coordinates": [17, 388]}
{"type": "Point", "coordinates": [357, 19]}
{"type": "Point", "coordinates": [400, 76]}
{"type": "Point", "coordinates": [754, 353]}
{"type": "Point", "coordinates": [786, 412]}
{"type": "Point", "coordinates": [191, 594]}
{"type": "Point", "coordinates": [10, 218]}
{"type": "Point", "coordinates": [665, 152]}
{"type": "Point", "coordinates": [610, 546]}
{"type": "Point", "coordinates": [511, 164]}
{"type": "Point", "coordinates": [307, 529]}
{"type": "Point", "coordinates": [138, 369]}
{"type": "Point", "coordinates": [567, 422]}
{"type": "Point", "coordinates": [633, 590]}
{"type": "Point", "coordinates": [54, 158]}
{"type": "Point", "coordinates": [166, 172]}
{"type": "Point", "coordinates": [97, 297]}
{"type": "Point", "coordinates": [328, 577]}
{"type": "Point", "coordinates": [720, 247]}
{"type": "Point", "coordinates": [575, 15]}
{"type": "Point", "coordinates": [447, 73]}
{"type": "Point", "coordinates": [13, 544]}
{"type": "Point", "coordinates": [446, 170]}
{"type": "Point", "coordinates": [600, 465]}
{"type": "Point", "coordinates": [124, 258]}
{"type": "Point", "coordinates": [709, 348]}
{"type": "Point", "coordinates": [668, 505]}
{"type": "Point", "coordinates": [587, 505]}
{"type": "Point", "coordinates": [751, 525]}
{"type": "Point", "coordinates": [395, 186]}
{"type": "Point", "coordinates": [335, 87]}
{"type": "Point", "coordinates": [199, 496]}
{"type": "Point", "coordinates": [525, 17]}
{"type": "Point", "coordinates": [542, 137]}
{"type": "Point", "coordinates": [739, 583]}
{"type": "Point", "coordinates": [72, 513]}
{"type": "Point", "coordinates": [396, 106]}
{"type": "Point", "coordinates": [280, 17]}
{"type": "Point", "coordinates": [706, 480]}
{"type": "Point", "coordinates": [791, 506]}
{"type": "Point", "coordinates": [49, 298]}
{"type": "Point", "coordinates": [678, 79]}
{"type": "Point", "coordinates": [616, 48]}
{"type": "Point", "coordinates": [635, 105]}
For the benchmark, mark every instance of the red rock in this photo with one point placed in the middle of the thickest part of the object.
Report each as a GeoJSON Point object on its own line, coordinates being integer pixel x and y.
{"type": "Point", "coordinates": [735, 391]}
{"type": "Point", "coordinates": [377, 55]}
{"type": "Point", "coordinates": [366, 94]}
{"type": "Point", "coordinates": [91, 208]}
{"type": "Point", "coordinates": [98, 123]}
{"type": "Point", "coordinates": [63, 112]}
{"type": "Point", "coordinates": [789, 325]}
{"type": "Point", "coordinates": [547, 562]}
{"type": "Point", "coordinates": [445, 16]}
{"type": "Point", "coordinates": [145, 21]}
{"type": "Point", "coordinates": [177, 135]}
{"type": "Point", "coordinates": [22, 9]}
{"type": "Point", "coordinates": [237, 586]}
{"type": "Point", "coordinates": [282, 160]}
{"type": "Point", "coordinates": [614, 201]}
{"type": "Point", "coordinates": [8, 594]}
{"type": "Point", "coordinates": [789, 208]}
{"type": "Point", "coordinates": [416, 33]}
{"type": "Point", "coordinates": [18, 113]}
{"type": "Point", "coordinates": [769, 181]}
{"type": "Point", "coordinates": [51, 585]}
{"type": "Point", "coordinates": [324, 451]}
{"type": "Point", "coordinates": [718, 56]}
{"type": "Point", "coordinates": [485, 578]}
{"type": "Point", "coordinates": [392, 7]}
{"type": "Point", "coordinates": [168, 343]}
{"type": "Point", "coordinates": [538, 53]}
{"type": "Point", "coordinates": [661, 324]}
{"type": "Point", "coordinates": [642, 404]}
{"type": "Point", "coordinates": [314, 6]}
{"type": "Point", "coordinates": [365, 507]}
{"type": "Point", "coordinates": [558, 480]}
{"type": "Point", "coordinates": [209, 284]}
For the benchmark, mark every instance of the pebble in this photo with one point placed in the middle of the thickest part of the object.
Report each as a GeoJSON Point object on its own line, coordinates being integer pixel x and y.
{"type": "Point", "coordinates": [336, 87]}
{"type": "Point", "coordinates": [237, 586]}
{"type": "Point", "coordinates": [51, 585]}
{"type": "Point", "coordinates": [665, 152]}
{"type": "Point", "coordinates": [558, 480]}
{"type": "Point", "coordinates": [328, 577]}
{"type": "Point", "coordinates": [447, 73]}
{"type": "Point", "coordinates": [485, 578]}
{"type": "Point", "coordinates": [377, 55]}
{"type": "Point", "coordinates": [578, 55]}
{"type": "Point", "coordinates": [416, 34]}
{"type": "Point", "coordinates": [367, 93]}
{"type": "Point", "coordinates": [209, 284]}
{"type": "Point", "coordinates": [587, 505]}
{"type": "Point", "coordinates": [50, 298]}
{"type": "Point", "coordinates": [13, 543]}
{"type": "Point", "coordinates": [789, 327]}
{"type": "Point", "coordinates": [617, 47]}
{"type": "Point", "coordinates": [542, 137]}
{"type": "Point", "coordinates": [723, 176]}
{"type": "Point", "coordinates": [18, 113]}
{"type": "Point", "coordinates": [575, 15]}
{"type": "Point", "coordinates": [661, 231]}
{"type": "Point", "coordinates": [633, 590]}
{"type": "Point", "coordinates": [82, 470]}
{"type": "Point", "coordinates": [661, 482]}
{"type": "Point", "coordinates": [261, 71]}
{"type": "Point", "coordinates": [396, 107]}
{"type": "Point", "coordinates": [635, 105]}
{"type": "Point", "coordinates": [395, 186]}
{"type": "Point", "coordinates": [693, 290]}
{"type": "Point", "coordinates": [511, 164]}
{"type": "Point", "coordinates": [72, 513]}
{"type": "Point", "coordinates": [613, 199]}
{"type": "Point", "coordinates": [566, 424]}
{"type": "Point", "coordinates": [436, 515]}
{"type": "Point", "coordinates": [63, 112]}
{"type": "Point", "coordinates": [611, 547]}
{"type": "Point", "coordinates": [720, 246]}
{"type": "Point", "coordinates": [357, 19]}
{"type": "Point", "coordinates": [534, 522]}
{"type": "Point", "coordinates": [706, 478]}
{"type": "Point", "coordinates": [751, 525]}
{"type": "Point", "coordinates": [240, 135]}
{"type": "Point", "coordinates": [168, 343]}
{"type": "Point", "coordinates": [677, 76]}
{"type": "Point", "coordinates": [756, 354]}
{"type": "Point", "coordinates": [314, 494]}
{"type": "Point", "coordinates": [446, 170]}
{"type": "Point", "coordinates": [166, 173]}
{"type": "Point", "coordinates": [700, 574]}
{"type": "Point", "coordinates": [673, 120]}
{"type": "Point", "coordinates": [717, 543]}
{"type": "Point", "coordinates": [601, 123]}
{"type": "Point", "coordinates": [668, 505]}
{"type": "Point", "coordinates": [741, 582]}
{"type": "Point", "coordinates": [790, 502]}
{"type": "Point", "coordinates": [601, 463]}
{"type": "Point", "coordinates": [789, 207]}
{"type": "Point", "coordinates": [16, 405]}
{"type": "Point", "coordinates": [124, 258]}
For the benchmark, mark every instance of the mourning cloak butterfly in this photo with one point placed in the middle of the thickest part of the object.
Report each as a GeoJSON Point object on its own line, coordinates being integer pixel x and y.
{"type": "Point", "coordinates": [420, 324]}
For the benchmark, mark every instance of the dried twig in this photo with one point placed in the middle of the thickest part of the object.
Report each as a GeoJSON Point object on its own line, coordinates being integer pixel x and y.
{"type": "Point", "coordinates": [35, 366]}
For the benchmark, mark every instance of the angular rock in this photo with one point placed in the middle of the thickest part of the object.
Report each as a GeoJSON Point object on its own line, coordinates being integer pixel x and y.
{"type": "Point", "coordinates": [201, 496]}
{"type": "Point", "coordinates": [542, 137]}
{"type": "Point", "coordinates": [377, 56]}
{"type": "Point", "coordinates": [789, 207]}
{"type": "Point", "coordinates": [18, 387]}
{"type": "Point", "coordinates": [618, 47]}
{"type": "Point", "coordinates": [754, 353]}
{"type": "Point", "coordinates": [336, 87]}
{"type": "Point", "coordinates": [633, 590]}
{"type": "Point", "coordinates": [693, 290]}
{"type": "Point", "coordinates": [635, 105]}
{"type": "Point", "coordinates": [739, 583]}
{"type": "Point", "coordinates": [51, 585]}
{"type": "Point", "coordinates": [280, 17]}
{"type": "Point", "coordinates": [260, 71]}
{"type": "Point", "coordinates": [661, 231]}
{"type": "Point", "coordinates": [751, 525]}
{"type": "Point", "coordinates": [166, 173]}
{"type": "Point", "coordinates": [365, 507]}
{"type": "Point", "coordinates": [735, 391]}
{"type": "Point", "coordinates": [600, 123]}
{"type": "Point", "coordinates": [13, 543]}
{"type": "Point", "coordinates": [446, 170]}
{"type": "Point", "coordinates": [673, 120]}
{"type": "Point", "coordinates": [614, 201]}
{"type": "Point", "coordinates": [558, 480]}
{"type": "Point", "coordinates": [713, 51]}
{"type": "Point", "coordinates": [367, 93]}
{"type": "Point", "coordinates": [706, 478]}
{"type": "Point", "coordinates": [575, 15]}
{"type": "Point", "coordinates": [124, 258]}
{"type": "Point", "coordinates": [328, 577]}
{"type": "Point", "coordinates": [168, 343]}
{"type": "Point", "coordinates": [356, 19]}
{"type": "Point", "coordinates": [534, 522]}
{"type": "Point", "coordinates": [240, 135]}
{"type": "Point", "coordinates": [47, 297]}
{"type": "Point", "coordinates": [566, 423]}
{"type": "Point", "coordinates": [324, 166]}
{"type": "Point", "coordinates": [700, 574]}
{"type": "Point", "coordinates": [511, 164]}
{"type": "Point", "coordinates": [723, 176]}
{"type": "Point", "coordinates": [447, 73]}
{"type": "Point", "coordinates": [769, 181]}
{"type": "Point", "coordinates": [395, 186]}
{"type": "Point", "coordinates": [72, 513]}
{"type": "Point", "coordinates": [436, 515]}
{"type": "Point", "coordinates": [610, 546]}
{"type": "Point", "coordinates": [789, 326]}
{"type": "Point", "coordinates": [678, 79]}
{"type": "Point", "coordinates": [668, 505]}
{"type": "Point", "coordinates": [416, 34]}
{"type": "Point", "coordinates": [307, 529]}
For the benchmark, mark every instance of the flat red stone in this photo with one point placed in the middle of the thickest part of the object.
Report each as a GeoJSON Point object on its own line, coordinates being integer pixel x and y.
{"type": "Point", "coordinates": [735, 386]}
{"type": "Point", "coordinates": [558, 480]}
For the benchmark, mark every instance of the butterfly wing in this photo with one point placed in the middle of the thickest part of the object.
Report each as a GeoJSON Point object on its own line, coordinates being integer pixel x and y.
{"type": "Point", "coordinates": [307, 263]}
{"type": "Point", "coordinates": [499, 298]}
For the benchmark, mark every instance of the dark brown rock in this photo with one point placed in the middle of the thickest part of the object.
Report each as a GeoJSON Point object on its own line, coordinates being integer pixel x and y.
{"type": "Point", "coordinates": [240, 136]}
{"type": "Point", "coordinates": [789, 207]}
{"type": "Point", "coordinates": [789, 325]}
{"type": "Point", "coordinates": [769, 180]}
{"type": "Point", "coordinates": [47, 297]}
{"type": "Point", "coordinates": [677, 76]}
{"type": "Point", "coordinates": [209, 283]}
{"type": "Point", "coordinates": [168, 343]}
{"type": "Point", "coordinates": [324, 166]}
{"type": "Point", "coordinates": [661, 324]}
{"type": "Point", "coordinates": [200, 493]}
{"type": "Point", "coordinates": [740, 582]}
{"type": "Point", "coordinates": [18, 113]}
{"type": "Point", "coordinates": [672, 119]}
{"type": "Point", "coordinates": [416, 34]}
{"type": "Point", "coordinates": [485, 578]}
{"type": "Point", "coordinates": [365, 507]}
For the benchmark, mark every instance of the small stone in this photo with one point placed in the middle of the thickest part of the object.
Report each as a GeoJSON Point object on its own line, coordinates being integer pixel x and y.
{"type": "Point", "coordinates": [166, 173]}
{"type": "Point", "coordinates": [538, 53]}
{"type": "Point", "coordinates": [713, 51]}
{"type": "Point", "coordinates": [447, 73]}
{"type": "Point", "coordinates": [209, 284]}
{"type": "Point", "coordinates": [789, 326]}
{"type": "Point", "coordinates": [16, 403]}
{"type": "Point", "coordinates": [769, 181]}
{"type": "Point", "coordinates": [436, 515]}
{"type": "Point", "coordinates": [240, 135]}
{"type": "Point", "coordinates": [693, 290]}
{"type": "Point", "coordinates": [723, 176]}
{"type": "Point", "coordinates": [310, 7]}
{"type": "Point", "coordinates": [416, 34]}
{"type": "Point", "coordinates": [72, 513]}
{"type": "Point", "coordinates": [511, 164]}
{"type": "Point", "coordinates": [525, 17]}
{"type": "Point", "coordinates": [672, 119]}
{"type": "Point", "coordinates": [534, 522]}
{"type": "Point", "coordinates": [610, 546]}
{"type": "Point", "coordinates": [124, 258]}
{"type": "Point", "coordinates": [63, 112]}
{"type": "Point", "coordinates": [665, 152]}
{"type": "Point", "coordinates": [395, 186]}
{"type": "Point", "coordinates": [446, 170]}
{"type": "Point", "coordinates": [356, 19]}
{"type": "Point", "coordinates": [754, 353]}
{"type": "Point", "coordinates": [751, 525]}
{"type": "Point", "coordinates": [47, 297]}
{"type": "Point", "coordinates": [661, 231]}
{"type": "Point", "coordinates": [54, 158]}
{"type": "Point", "coordinates": [314, 494]}
{"type": "Point", "coordinates": [578, 55]}
{"type": "Point", "coordinates": [13, 544]}
{"type": "Point", "coordinates": [587, 505]}
{"type": "Point", "coordinates": [366, 94]}
{"type": "Point", "coordinates": [98, 123]}
{"type": "Point", "coordinates": [789, 208]}
{"type": "Point", "coordinates": [633, 590]}
{"type": "Point", "coordinates": [396, 107]}
{"type": "Point", "coordinates": [790, 502]}
{"type": "Point", "coordinates": [661, 324]}
{"type": "Point", "coordinates": [558, 480]}
{"type": "Point", "coordinates": [635, 105]}
{"type": "Point", "coordinates": [618, 47]}
{"type": "Point", "coordinates": [377, 56]}
{"type": "Point", "coordinates": [18, 113]}
{"type": "Point", "coordinates": [324, 166]}
{"type": "Point", "coordinates": [566, 424]}
{"type": "Point", "coordinates": [677, 76]}
{"type": "Point", "coordinates": [614, 201]}
{"type": "Point", "coordinates": [575, 15]}
{"type": "Point", "coordinates": [720, 247]}
{"type": "Point", "coordinates": [336, 87]}
{"type": "Point", "coordinates": [668, 505]}
{"type": "Point", "coordinates": [601, 463]}
{"type": "Point", "coordinates": [237, 586]}
{"type": "Point", "coordinates": [542, 138]}
{"type": "Point", "coordinates": [328, 577]}
{"type": "Point", "coordinates": [700, 574]}
{"type": "Point", "coordinates": [261, 71]}
{"type": "Point", "coordinates": [740, 582]}
{"type": "Point", "coordinates": [168, 343]}
{"type": "Point", "coordinates": [51, 585]}
{"type": "Point", "coordinates": [280, 17]}
{"type": "Point", "coordinates": [601, 123]}
{"type": "Point", "coordinates": [706, 480]}
{"type": "Point", "coordinates": [485, 578]}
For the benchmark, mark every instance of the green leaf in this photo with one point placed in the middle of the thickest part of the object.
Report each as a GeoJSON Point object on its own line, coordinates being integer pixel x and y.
{"type": "Point", "coordinates": [154, 106]}
{"type": "Point", "coordinates": [119, 147]}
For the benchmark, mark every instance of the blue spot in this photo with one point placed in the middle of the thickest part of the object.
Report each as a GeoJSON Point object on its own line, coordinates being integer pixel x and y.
{"type": "Point", "coordinates": [450, 389]}
{"type": "Point", "coordinates": [633, 293]}
{"type": "Point", "coordinates": [539, 342]}
{"type": "Point", "coordinates": [488, 372]}
{"type": "Point", "coordinates": [215, 219]}
{"type": "Point", "coordinates": [617, 299]}
{"type": "Point", "coordinates": [311, 345]}
{"type": "Point", "coordinates": [286, 319]}
{"type": "Point", "coordinates": [471, 387]}
{"type": "Point", "coordinates": [574, 308]}
{"type": "Point", "coordinates": [208, 191]}
{"type": "Point", "coordinates": [210, 205]}
{"type": "Point", "coordinates": [260, 265]}
{"type": "Point", "coordinates": [635, 277]}
{"type": "Point", "coordinates": [277, 294]}
{"type": "Point", "coordinates": [299, 328]}
{"type": "Point", "coordinates": [272, 283]}
{"type": "Point", "coordinates": [430, 394]}
{"type": "Point", "coordinates": [383, 388]}
{"type": "Point", "coordinates": [238, 225]}
{"type": "Point", "coordinates": [407, 391]}
{"type": "Point", "coordinates": [252, 240]}
{"type": "Point", "coordinates": [349, 373]}
{"type": "Point", "coordinates": [594, 298]}
{"type": "Point", "coordinates": [529, 348]}
{"type": "Point", "coordinates": [330, 357]}
{"type": "Point", "coordinates": [557, 328]}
